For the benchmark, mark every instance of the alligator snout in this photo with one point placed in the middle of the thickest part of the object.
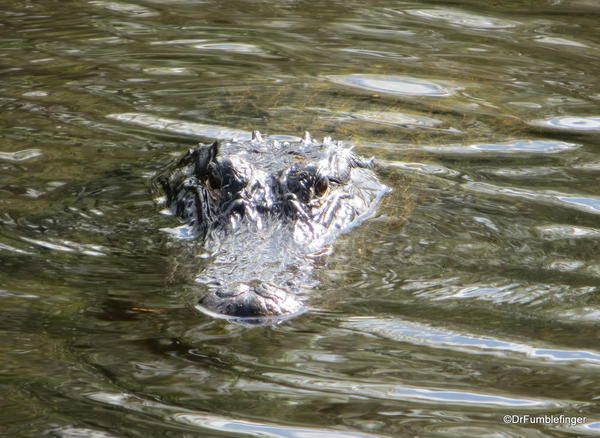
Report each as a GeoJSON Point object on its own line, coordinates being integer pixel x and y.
{"type": "Point", "coordinates": [254, 301]}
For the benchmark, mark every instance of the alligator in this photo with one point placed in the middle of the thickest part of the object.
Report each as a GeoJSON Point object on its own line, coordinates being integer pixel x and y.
{"type": "Point", "coordinates": [265, 210]}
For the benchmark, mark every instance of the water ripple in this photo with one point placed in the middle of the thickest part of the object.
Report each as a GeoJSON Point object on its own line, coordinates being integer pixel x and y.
{"type": "Point", "coordinates": [556, 232]}
{"type": "Point", "coordinates": [591, 428]}
{"type": "Point", "coordinates": [395, 85]}
{"type": "Point", "coordinates": [397, 119]}
{"type": "Point", "coordinates": [463, 19]}
{"type": "Point", "coordinates": [559, 41]}
{"type": "Point", "coordinates": [169, 71]}
{"type": "Point", "coordinates": [125, 8]}
{"type": "Point", "coordinates": [64, 245]}
{"type": "Point", "coordinates": [513, 147]}
{"type": "Point", "coordinates": [590, 124]}
{"type": "Point", "coordinates": [525, 172]}
{"type": "Point", "coordinates": [266, 430]}
{"type": "Point", "coordinates": [181, 127]}
{"type": "Point", "coordinates": [587, 204]}
{"type": "Point", "coordinates": [421, 334]}
{"type": "Point", "coordinates": [5, 247]}
{"type": "Point", "coordinates": [391, 391]}
{"type": "Point", "coordinates": [229, 425]}
{"type": "Point", "coordinates": [231, 47]}
{"type": "Point", "coordinates": [81, 432]}
{"type": "Point", "coordinates": [423, 168]}
{"type": "Point", "coordinates": [25, 154]}
{"type": "Point", "coordinates": [177, 42]}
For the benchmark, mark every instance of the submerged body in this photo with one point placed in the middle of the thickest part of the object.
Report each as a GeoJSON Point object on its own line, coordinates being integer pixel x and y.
{"type": "Point", "coordinates": [265, 210]}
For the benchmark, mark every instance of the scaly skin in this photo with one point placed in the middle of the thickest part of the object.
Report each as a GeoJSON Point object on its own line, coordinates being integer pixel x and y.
{"type": "Point", "coordinates": [266, 209]}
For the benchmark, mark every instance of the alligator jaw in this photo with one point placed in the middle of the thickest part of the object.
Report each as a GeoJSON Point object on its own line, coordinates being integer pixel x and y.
{"type": "Point", "coordinates": [256, 303]}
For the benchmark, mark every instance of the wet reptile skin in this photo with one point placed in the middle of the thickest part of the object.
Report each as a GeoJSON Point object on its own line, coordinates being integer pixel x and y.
{"type": "Point", "coordinates": [265, 210]}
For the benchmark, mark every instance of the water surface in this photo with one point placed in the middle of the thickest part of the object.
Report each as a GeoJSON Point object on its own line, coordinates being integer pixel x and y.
{"type": "Point", "coordinates": [473, 294]}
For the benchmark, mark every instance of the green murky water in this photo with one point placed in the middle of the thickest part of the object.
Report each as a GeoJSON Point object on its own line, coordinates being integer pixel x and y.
{"type": "Point", "coordinates": [472, 295]}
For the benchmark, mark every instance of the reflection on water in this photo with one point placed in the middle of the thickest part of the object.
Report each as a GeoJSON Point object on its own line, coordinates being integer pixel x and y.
{"type": "Point", "coordinates": [463, 19]}
{"type": "Point", "coordinates": [472, 295]}
{"type": "Point", "coordinates": [570, 123]}
{"type": "Point", "coordinates": [404, 86]}
{"type": "Point", "coordinates": [191, 129]}
{"type": "Point", "coordinates": [512, 148]}
{"type": "Point", "coordinates": [422, 334]}
{"type": "Point", "coordinates": [23, 155]}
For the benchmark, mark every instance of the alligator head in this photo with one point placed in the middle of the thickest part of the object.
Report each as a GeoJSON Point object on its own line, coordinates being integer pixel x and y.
{"type": "Point", "coordinates": [265, 209]}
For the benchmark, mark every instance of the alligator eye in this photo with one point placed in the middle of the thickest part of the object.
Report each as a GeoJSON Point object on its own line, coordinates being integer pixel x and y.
{"type": "Point", "coordinates": [321, 185]}
{"type": "Point", "coordinates": [215, 180]}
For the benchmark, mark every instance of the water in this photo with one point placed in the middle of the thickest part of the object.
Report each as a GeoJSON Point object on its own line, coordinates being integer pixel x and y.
{"type": "Point", "coordinates": [472, 295]}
